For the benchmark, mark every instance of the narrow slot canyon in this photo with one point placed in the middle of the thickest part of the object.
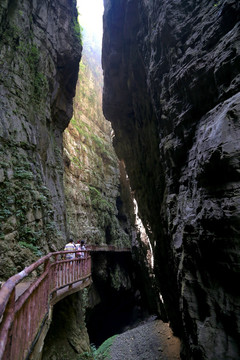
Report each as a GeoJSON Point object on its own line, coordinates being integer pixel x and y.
{"type": "Point", "coordinates": [119, 126]}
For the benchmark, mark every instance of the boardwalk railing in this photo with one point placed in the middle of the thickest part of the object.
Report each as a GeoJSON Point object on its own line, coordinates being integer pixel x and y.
{"type": "Point", "coordinates": [21, 318]}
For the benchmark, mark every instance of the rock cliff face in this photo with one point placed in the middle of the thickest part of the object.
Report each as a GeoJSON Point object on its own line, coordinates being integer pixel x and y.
{"type": "Point", "coordinates": [171, 91]}
{"type": "Point", "coordinates": [100, 206]}
{"type": "Point", "coordinates": [92, 179]}
{"type": "Point", "coordinates": [67, 336]}
{"type": "Point", "coordinates": [39, 60]}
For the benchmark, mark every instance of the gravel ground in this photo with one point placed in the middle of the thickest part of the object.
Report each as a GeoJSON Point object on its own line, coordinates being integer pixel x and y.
{"type": "Point", "coordinates": [151, 341]}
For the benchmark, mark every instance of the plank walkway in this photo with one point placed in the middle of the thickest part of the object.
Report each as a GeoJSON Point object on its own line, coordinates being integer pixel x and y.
{"type": "Point", "coordinates": [25, 305]}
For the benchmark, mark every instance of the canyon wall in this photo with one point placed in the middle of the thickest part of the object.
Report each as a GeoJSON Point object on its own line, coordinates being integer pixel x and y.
{"type": "Point", "coordinates": [100, 208]}
{"type": "Point", "coordinates": [40, 49]}
{"type": "Point", "coordinates": [171, 92]}
{"type": "Point", "coordinates": [97, 210]}
{"type": "Point", "coordinates": [55, 185]}
{"type": "Point", "coordinates": [67, 337]}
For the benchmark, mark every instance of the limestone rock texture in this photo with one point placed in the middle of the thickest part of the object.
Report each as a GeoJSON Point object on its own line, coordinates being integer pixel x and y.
{"type": "Point", "coordinates": [98, 197]}
{"type": "Point", "coordinates": [67, 337]}
{"type": "Point", "coordinates": [40, 51]}
{"type": "Point", "coordinates": [172, 94]}
{"type": "Point", "coordinates": [99, 205]}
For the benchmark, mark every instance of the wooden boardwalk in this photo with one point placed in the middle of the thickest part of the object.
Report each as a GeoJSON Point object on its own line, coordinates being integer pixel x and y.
{"type": "Point", "coordinates": [25, 304]}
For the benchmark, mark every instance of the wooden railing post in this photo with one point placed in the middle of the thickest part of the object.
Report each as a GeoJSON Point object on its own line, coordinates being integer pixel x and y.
{"type": "Point", "coordinates": [47, 270]}
{"type": "Point", "coordinates": [46, 264]}
{"type": "Point", "coordinates": [54, 274]}
{"type": "Point", "coordinates": [5, 334]}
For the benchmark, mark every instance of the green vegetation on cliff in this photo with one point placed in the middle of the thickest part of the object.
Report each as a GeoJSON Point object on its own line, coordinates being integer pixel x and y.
{"type": "Point", "coordinates": [38, 67]}
{"type": "Point", "coordinates": [92, 176]}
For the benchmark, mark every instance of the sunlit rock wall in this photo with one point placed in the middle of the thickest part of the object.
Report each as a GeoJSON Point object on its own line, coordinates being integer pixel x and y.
{"type": "Point", "coordinates": [39, 60]}
{"type": "Point", "coordinates": [97, 209]}
{"type": "Point", "coordinates": [171, 91]}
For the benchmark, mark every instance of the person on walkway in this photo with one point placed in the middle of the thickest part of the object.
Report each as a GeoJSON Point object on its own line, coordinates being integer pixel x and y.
{"type": "Point", "coordinates": [82, 247]}
{"type": "Point", "coordinates": [70, 246]}
{"type": "Point", "coordinates": [82, 256]}
{"type": "Point", "coordinates": [78, 247]}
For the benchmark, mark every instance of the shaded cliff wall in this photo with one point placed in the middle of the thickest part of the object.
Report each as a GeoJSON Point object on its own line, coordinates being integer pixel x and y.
{"type": "Point", "coordinates": [115, 300]}
{"type": "Point", "coordinates": [39, 60]}
{"type": "Point", "coordinates": [171, 91]}
{"type": "Point", "coordinates": [67, 337]}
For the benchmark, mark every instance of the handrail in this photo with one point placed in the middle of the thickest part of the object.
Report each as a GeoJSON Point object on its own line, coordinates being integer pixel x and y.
{"type": "Point", "coordinates": [9, 285]}
{"type": "Point", "coordinates": [21, 318]}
